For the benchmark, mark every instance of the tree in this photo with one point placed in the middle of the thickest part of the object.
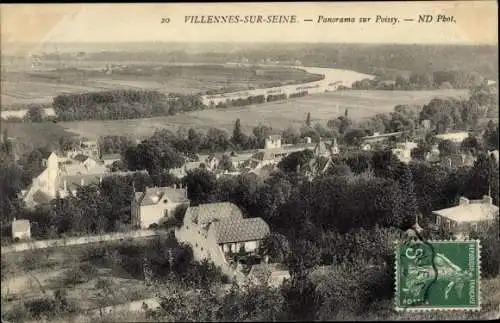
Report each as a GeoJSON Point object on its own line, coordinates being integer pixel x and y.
{"type": "Point", "coordinates": [408, 207]}
{"type": "Point", "coordinates": [201, 186]}
{"type": "Point", "coordinates": [421, 150]}
{"type": "Point", "coordinates": [296, 159]}
{"type": "Point", "coordinates": [35, 114]}
{"type": "Point", "coordinates": [239, 138]}
{"type": "Point", "coordinates": [353, 136]}
{"type": "Point", "coordinates": [447, 148]}
{"type": "Point", "coordinates": [491, 136]}
{"type": "Point", "coordinates": [290, 136]}
{"type": "Point", "coordinates": [308, 119]}
{"type": "Point", "coordinates": [275, 246]}
{"type": "Point", "coordinates": [470, 145]}
{"type": "Point", "coordinates": [225, 163]}
{"type": "Point", "coordinates": [480, 177]}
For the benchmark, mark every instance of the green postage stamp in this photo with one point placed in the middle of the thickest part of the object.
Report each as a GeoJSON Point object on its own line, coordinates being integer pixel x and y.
{"type": "Point", "coordinates": [438, 275]}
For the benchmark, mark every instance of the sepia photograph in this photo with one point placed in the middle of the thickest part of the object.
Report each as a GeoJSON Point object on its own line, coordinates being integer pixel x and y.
{"type": "Point", "coordinates": [225, 162]}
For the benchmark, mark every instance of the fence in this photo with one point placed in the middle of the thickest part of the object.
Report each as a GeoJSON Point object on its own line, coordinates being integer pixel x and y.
{"type": "Point", "coordinates": [72, 241]}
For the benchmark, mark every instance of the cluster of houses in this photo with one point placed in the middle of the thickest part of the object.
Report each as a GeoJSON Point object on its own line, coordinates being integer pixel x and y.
{"type": "Point", "coordinates": [64, 173]}
{"type": "Point", "coordinates": [219, 231]}
{"type": "Point", "coordinates": [215, 231]}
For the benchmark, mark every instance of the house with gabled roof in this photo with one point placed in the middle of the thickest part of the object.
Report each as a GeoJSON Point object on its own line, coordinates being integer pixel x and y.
{"type": "Point", "coordinates": [156, 204]}
{"type": "Point", "coordinates": [216, 231]}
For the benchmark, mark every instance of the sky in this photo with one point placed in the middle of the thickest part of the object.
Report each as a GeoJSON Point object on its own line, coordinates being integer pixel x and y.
{"type": "Point", "coordinates": [476, 23]}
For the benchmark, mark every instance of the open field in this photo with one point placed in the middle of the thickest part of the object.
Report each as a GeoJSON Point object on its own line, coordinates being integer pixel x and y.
{"type": "Point", "coordinates": [32, 275]}
{"type": "Point", "coordinates": [40, 86]}
{"type": "Point", "coordinates": [279, 115]}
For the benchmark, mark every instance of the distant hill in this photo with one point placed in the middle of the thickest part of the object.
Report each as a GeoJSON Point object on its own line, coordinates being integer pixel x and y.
{"type": "Point", "coordinates": [384, 59]}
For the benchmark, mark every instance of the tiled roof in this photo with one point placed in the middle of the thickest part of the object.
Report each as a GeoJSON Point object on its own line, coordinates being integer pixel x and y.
{"type": "Point", "coordinates": [20, 225]}
{"type": "Point", "coordinates": [236, 229]}
{"type": "Point", "coordinates": [205, 213]}
{"type": "Point", "coordinates": [154, 195]}
{"type": "Point", "coordinates": [470, 212]}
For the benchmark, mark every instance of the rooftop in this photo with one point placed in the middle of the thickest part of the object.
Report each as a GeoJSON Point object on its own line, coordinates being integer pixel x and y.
{"type": "Point", "coordinates": [237, 229]}
{"type": "Point", "coordinates": [154, 195]}
{"type": "Point", "coordinates": [453, 135]}
{"type": "Point", "coordinates": [206, 213]}
{"type": "Point", "coordinates": [470, 211]}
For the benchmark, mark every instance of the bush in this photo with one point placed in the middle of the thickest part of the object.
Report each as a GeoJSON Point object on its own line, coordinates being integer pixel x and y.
{"type": "Point", "coordinates": [490, 249]}
{"type": "Point", "coordinates": [79, 275]}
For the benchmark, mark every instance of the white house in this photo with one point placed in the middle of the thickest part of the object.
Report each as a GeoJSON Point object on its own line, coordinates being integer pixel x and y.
{"type": "Point", "coordinates": [156, 204]}
{"type": "Point", "coordinates": [467, 216]}
{"type": "Point", "coordinates": [403, 151]}
{"type": "Point", "coordinates": [273, 141]}
{"type": "Point", "coordinates": [21, 230]}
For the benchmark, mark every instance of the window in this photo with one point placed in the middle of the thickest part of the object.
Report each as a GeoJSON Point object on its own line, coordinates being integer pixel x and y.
{"type": "Point", "coordinates": [165, 201]}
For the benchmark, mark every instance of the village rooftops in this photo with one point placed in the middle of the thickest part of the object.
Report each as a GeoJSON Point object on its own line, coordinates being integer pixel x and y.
{"type": "Point", "coordinates": [154, 195]}
{"type": "Point", "coordinates": [470, 210]}
{"type": "Point", "coordinates": [237, 229]}
{"type": "Point", "coordinates": [206, 213]}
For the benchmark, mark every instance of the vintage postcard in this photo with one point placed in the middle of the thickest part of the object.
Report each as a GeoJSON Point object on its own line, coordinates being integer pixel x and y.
{"type": "Point", "coordinates": [302, 161]}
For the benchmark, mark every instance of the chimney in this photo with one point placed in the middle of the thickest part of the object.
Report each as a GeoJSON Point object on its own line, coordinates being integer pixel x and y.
{"type": "Point", "coordinates": [463, 201]}
{"type": "Point", "coordinates": [487, 199]}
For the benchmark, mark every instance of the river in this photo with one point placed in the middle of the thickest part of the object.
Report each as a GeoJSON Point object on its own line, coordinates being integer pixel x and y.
{"type": "Point", "coordinates": [333, 79]}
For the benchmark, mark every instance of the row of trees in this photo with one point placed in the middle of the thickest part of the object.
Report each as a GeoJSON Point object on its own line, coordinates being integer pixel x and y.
{"type": "Point", "coordinates": [115, 104]}
{"type": "Point", "coordinates": [455, 79]}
